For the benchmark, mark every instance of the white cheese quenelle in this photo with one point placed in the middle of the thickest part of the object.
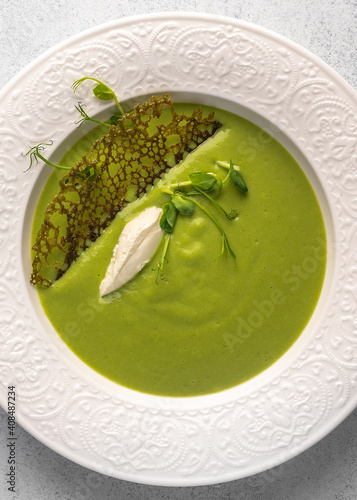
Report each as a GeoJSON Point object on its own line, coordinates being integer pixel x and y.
{"type": "Point", "coordinates": [136, 245]}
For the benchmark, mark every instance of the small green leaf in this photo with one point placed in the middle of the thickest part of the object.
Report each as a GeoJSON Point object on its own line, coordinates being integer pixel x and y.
{"type": "Point", "coordinates": [183, 205]}
{"type": "Point", "coordinates": [237, 178]}
{"type": "Point", "coordinates": [202, 180]}
{"type": "Point", "coordinates": [86, 171]}
{"type": "Point", "coordinates": [103, 92]}
{"type": "Point", "coordinates": [217, 188]}
{"type": "Point", "coordinates": [115, 118]}
{"type": "Point", "coordinates": [168, 218]}
{"type": "Point", "coordinates": [90, 173]}
{"type": "Point", "coordinates": [171, 214]}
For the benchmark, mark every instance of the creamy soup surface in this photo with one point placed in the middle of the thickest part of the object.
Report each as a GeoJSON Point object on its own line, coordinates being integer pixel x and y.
{"type": "Point", "coordinates": [209, 324]}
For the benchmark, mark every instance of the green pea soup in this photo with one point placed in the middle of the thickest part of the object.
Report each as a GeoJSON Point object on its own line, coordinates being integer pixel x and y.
{"type": "Point", "coordinates": [209, 323]}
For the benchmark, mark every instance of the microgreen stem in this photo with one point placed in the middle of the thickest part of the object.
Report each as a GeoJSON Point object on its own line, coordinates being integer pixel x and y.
{"type": "Point", "coordinates": [121, 111]}
{"type": "Point", "coordinates": [167, 190]}
{"type": "Point", "coordinates": [225, 243]}
{"type": "Point", "coordinates": [85, 118]}
{"type": "Point", "coordinates": [177, 191]}
{"type": "Point", "coordinates": [178, 185]}
{"type": "Point", "coordinates": [35, 154]}
{"type": "Point", "coordinates": [160, 266]}
{"type": "Point", "coordinates": [232, 215]}
{"type": "Point", "coordinates": [226, 178]}
{"type": "Point", "coordinates": [225, 164]}
{"type": "Point", "coordinates": [61, 167]}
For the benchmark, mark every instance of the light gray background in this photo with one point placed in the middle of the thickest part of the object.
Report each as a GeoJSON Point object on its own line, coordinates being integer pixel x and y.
{"type": "Point", "coordinates": [328, 28]}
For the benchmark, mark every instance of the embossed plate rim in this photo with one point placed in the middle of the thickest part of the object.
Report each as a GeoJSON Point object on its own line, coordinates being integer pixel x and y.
{"type": "Point", "coordinates": [202, 473]}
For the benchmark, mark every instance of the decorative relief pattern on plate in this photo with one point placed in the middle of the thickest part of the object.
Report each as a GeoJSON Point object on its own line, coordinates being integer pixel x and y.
{"type": "Point", "coordinates": [233, 436]}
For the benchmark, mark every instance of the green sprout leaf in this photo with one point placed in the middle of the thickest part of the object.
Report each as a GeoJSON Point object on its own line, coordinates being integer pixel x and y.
{"type": "Point", "coordinates": [183, 202]}
{"type": "Point", "coordinates": [237, 178]}
{"type": "Point", "coordinates": [168, 218]}
{"type": "Point", "coordinates": [184, 206]}
{"type": "Point", "coordinates": [115, 118]}
{"type": "Point", "coordinates": [90, 173]}
{"type": "Point", "coordinates": [101, 91]}
{"type": "Point", "coordinates": [234, 174]}
{"type": "Point", "coordinates": [203, 180]}
{"type": "Point", "coordinates": [217, 187]}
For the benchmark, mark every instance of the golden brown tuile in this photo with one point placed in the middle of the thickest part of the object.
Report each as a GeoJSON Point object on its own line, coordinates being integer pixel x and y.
{"type": "Point", "coordinates": [133, 154]}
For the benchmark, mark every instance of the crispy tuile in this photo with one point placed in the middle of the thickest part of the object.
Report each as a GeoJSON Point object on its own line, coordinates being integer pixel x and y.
{"type": "Point", "coordinates": [133, 154]}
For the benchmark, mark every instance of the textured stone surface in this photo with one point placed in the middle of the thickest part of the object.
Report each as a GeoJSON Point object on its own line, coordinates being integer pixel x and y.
{"type": "Point", "coordinates": [327, 471]}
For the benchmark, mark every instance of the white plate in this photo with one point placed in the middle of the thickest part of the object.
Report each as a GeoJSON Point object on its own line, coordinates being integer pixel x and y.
{"type": "Point", "coordinates": [312, 388]}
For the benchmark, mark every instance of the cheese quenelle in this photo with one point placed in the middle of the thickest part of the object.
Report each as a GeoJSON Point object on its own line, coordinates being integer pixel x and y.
{"type": "Point", "coordinates": [136, 245]}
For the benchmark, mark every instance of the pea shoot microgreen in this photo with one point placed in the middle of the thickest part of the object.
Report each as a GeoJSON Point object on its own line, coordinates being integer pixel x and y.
{"type": "Point", "coordinates": [168, 218]}
{"type": "Point", "coordinates": [184, 206]}
{"type": "Point", "coordinates": [167, 223]}
{"type": "Point", "coordinates": [237, 178]}
{"type": "Point", "coordinates": [202, 180]}
{"type": "Point", "coordinates": [86, 117]}
{"type": "Point", "coordinates": [101, 91]}
{"type": "Point", "coordinates": [183, 200]}
{"type": "Point", "coordinates": [35, 153]}
{"type": "Point", "coordinates": [234, 174]}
